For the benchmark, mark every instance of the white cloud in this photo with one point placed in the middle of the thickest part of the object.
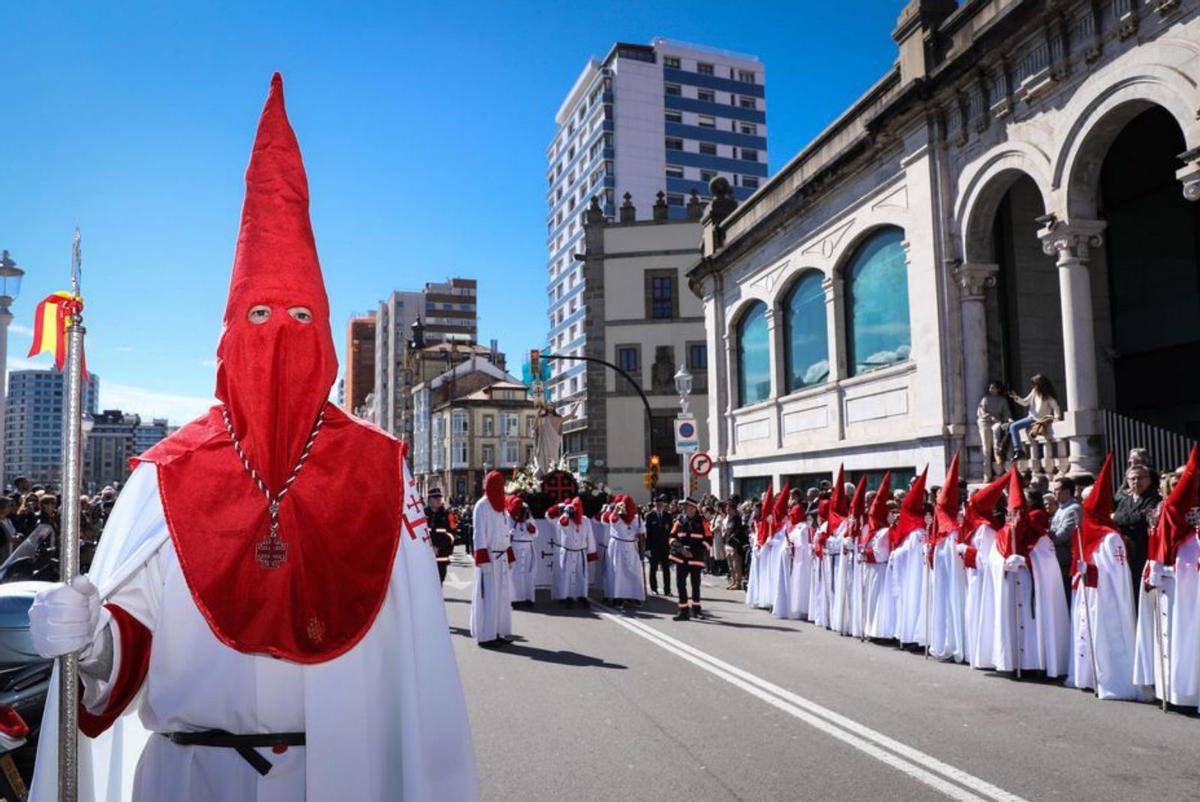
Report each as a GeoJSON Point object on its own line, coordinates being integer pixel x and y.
{"type": "Point", "coordinates": [209, 363]}
{"type": "Point", "coordinates": [124, 349]}
{"type": "Point", "coordinates": [178, 409]}
{"type": "Point", "coordinates": [24, 331]}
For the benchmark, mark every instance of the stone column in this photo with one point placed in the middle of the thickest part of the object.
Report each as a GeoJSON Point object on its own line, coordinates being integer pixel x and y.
{"type": "Point", "coordinates": [775, 353]}
{"type": "Point", "coordinates": [974, 279]}
{"type": "Point", "coordinates": [1069, 242]}
{"type": "Point", "coordinates": [1189, 174]}
{"type": "Point", "coordinates": [835, 317]}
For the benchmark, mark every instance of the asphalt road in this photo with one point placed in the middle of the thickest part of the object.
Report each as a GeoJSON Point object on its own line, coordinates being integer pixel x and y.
{"type": "Point", "coordinates": [598, 705]}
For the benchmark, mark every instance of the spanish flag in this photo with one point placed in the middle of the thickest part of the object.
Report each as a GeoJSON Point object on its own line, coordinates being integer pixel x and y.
{"type": "Point", "coordinates": [50, 326]}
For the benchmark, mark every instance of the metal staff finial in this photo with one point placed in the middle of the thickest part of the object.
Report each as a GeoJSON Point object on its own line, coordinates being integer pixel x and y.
{"type": "Point", "coordinates": [76, 261]}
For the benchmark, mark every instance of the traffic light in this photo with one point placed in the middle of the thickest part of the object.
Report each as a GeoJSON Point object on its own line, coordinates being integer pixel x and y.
{"type": "Point", "coordinates": [535, 363]}
{"type": "Point", "coordinates": [655, 470]}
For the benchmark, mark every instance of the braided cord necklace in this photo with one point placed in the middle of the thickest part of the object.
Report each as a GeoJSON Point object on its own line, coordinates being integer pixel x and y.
{"type": "Point", "coordinates": [272, 551]}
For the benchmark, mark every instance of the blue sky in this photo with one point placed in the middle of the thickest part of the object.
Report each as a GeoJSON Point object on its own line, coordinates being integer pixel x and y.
{"type": "Point", "coordinates": [423, 128]}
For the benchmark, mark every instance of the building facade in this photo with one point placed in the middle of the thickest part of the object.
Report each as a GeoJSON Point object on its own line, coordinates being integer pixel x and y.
{"type": "Point", "coordinates": [359, 381]}
{"type": "Point", "coordinates": [448, 313]}
{"type": "Point", "coordinates": [33, 424]}
{"type": "Point", "coordinates": [469, 420]}
{"type": "Point", "coordinates": [664, 117]}
{"type": "Point", "coordinates": [1018, 195]}
{"type": "Point", "coordinates": [639, 317]}
{"type": "Point", "coordinates": [109, 446]}
{"type": "Point", "coordinates": [149, 433]}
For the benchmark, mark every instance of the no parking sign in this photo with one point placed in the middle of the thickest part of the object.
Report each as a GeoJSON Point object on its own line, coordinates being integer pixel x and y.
{"type": "Point", "coordinates": [687, 436]}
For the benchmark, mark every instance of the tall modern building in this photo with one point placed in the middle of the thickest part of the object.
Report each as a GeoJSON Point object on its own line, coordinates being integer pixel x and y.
{"type": "Point", "coordinates": [667, 118]}
{"type": "Point", "coordinates": [149, 433]}
{"type": "Point", "coordinates": [110, 445]}
{"type": "Point", "coordinates": [360, 362]}
{"type": "Point", "coordinates": [448, 313]}
{"type": "Point", "coordinates": [33, 423]}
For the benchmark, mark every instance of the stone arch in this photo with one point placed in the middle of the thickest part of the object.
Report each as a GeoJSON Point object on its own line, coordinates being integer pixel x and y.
{"type": "Point", "coordinates": [1097, 118]}
{"type": "Point", "coordinates": [985, 188]}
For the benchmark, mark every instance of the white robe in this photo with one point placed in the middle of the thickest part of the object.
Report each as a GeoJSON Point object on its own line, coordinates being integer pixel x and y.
{"type": "Point", "coordinates": [820, 586]}
{"type": "Point", "coordinates": [781, 573]}
{"type": "Point", "coordinates": [1031, 623]}
{"type": "Point", "coordinates": [980, 609]}
{"type": "Point", "coordinates": [765, 571]}
{"type": "Point", "coordinates": [386, 720]}
{"type": "Point", "coordinates": [796, 556]}
{"type": "Point", "coordinates": [947, 598]}
{"type": "Point", "coordinates": [1104, 614]}
{"type": "Point", "coordinates": [1179, 615]}
{"type": "Point", "coordinates": [842, 614]}
{"type": "Point", "coordinates": [524, 568]}
{"type": "Point", "coordinates": [905, 589]}
{"type": "Point", "coordinates": [598, 568]}
{"type": "Point", "coordinates": [491, 597]}
{"type": "Point", "coordinates": [623, 575]}
{"type": "Point", "coordinates": [573, 545]}
{"type": "Point", "coordinates": [878, 612]}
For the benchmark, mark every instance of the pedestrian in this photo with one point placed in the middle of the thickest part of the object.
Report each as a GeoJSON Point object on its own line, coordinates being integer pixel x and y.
{"type": "Point", "coordinates": [716, 524]}
{"type": "Point", "coordinates": [1031, 629]}
{"type": "Point", "coordinates": [522, 533]}
{"type": "Point", "coordinates": [20, 488]}
{"type": "Point", "coordinates": [1132, 516]}
{"type": "Point", "coordinates": [491, 596]}
{"type": "Point", "coordinates": [441, 525]}
{"type": "Point", "coordinates": [689, 548]}
{"type": "Point", "coordinates": [844, 576]}
{"type": "Point", "coordinates": [981, 521]}
{"type": "Point", "coordinates": [626, 541]}
{"type": "Point", "coordinates": [1064, 523]}
{"type": "Point", "coordinates": [242, 622]}
{"type": "Point", "coordinates": [735, 544]}
{"type": "Point", "coordinates": [575, 548]}
{"type": "Point", "coordinates": [658, 535]}
{"type": "Point", "coordinates": [797, 557]}
{"type": "Point", "coordinates": [906, 566]}
{"type": "Point", "coordinates": [946, 584]}
{"type": "Point", "coordinates": [1102, 606]}
{"type": "Point", "coordinates": [8, 533]}
{"type": "Point", "coordinates": [992, 418]}
{"type": "Point", "coordinates": [1042, 403]}
{"type": "Point", "coordinates": [878, 614]}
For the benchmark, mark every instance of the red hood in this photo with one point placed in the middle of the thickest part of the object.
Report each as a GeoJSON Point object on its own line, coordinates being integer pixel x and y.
{"type": "Point", "coordinates": [516, 508]}
{"type": "Point", "coordinates": [493, 489]}
{"type": "Point", "coordinates": [912, 511]}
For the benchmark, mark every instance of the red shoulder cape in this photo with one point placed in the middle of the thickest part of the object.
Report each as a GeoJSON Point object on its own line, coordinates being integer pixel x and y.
{"type": "Point", "coordinates": [340, 521]}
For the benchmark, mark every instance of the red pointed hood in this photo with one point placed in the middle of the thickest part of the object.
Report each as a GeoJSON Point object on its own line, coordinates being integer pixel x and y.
{"type": "Point", "coordinates": [575, 510]}
{"type": "Point", "coordinates": [779, 511]}
{"type": "Point", "coordinates": [858, 502]}
{"type": "Point", "coordinates": [1096, 523]}
{"type": "Point", "coordinates": [763, 530]}
{"type": "Point", "coordinates": [305, 593]}
{"type": "Point", "coordinates": [912, 511]}
{"type": "Point", "coordinates": [795, 514]}
{"type": "Point", "coordinates": [839, 505]}
{"type": "Point", "coordinates": [945, 513]}
{"type": "Point", "coordinates": [877, 518]}
{"type": "Point", "coordinates": [626, 509]}
{"type": "Point", "coordinates": [274, 377]}
{"type": "Point", "coordinates": [1172, 527]}
{"type": "Point", "coordinates": [1016, 536]}
{"type": "Point", "coordinates": [515, 506]}
{"type": "Point", "coordinates": [981, 507]}
{"type": "Point", "coordinates": [493, 490]}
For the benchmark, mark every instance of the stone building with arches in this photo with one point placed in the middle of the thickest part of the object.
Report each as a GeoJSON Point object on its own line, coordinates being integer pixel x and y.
{"type": "Point", "coordinates": [1020, 194]}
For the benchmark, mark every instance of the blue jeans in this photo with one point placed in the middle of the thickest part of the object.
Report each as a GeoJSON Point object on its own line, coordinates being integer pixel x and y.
{"type": "Point", "coordinates": [1014, 431]}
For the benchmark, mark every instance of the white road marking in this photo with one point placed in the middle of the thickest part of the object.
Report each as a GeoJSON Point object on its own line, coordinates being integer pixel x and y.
{"type": "Point", "coordinates": [909, 760]}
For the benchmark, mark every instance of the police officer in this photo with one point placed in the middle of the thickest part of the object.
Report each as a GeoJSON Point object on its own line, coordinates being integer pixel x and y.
{"type": "Point", "coordinates": [441, 530]}
{"type": "Point", "coordinates": [688, 550]}
{"type": "Point", "coordinates": [658, 536]}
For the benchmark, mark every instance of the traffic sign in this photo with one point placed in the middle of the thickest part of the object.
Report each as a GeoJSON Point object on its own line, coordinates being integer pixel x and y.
{"type": "Point", "coordinates": [687, 436]}
{"type": "Point", "coordinates": [584, 464]}
{"type": "Point", "coordinates": [701, 463]}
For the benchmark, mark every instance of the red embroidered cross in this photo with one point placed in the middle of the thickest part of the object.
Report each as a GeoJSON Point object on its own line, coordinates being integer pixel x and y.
{"type": "Point", "coordinates": [271, 552]}
{"type": "Point", "coordinates": [560, 486]}
{"type": "Point", "coordinates": [1119, 556]}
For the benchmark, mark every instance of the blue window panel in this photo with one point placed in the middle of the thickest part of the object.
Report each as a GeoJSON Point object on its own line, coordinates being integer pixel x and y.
{"type": "Point", "coordinates": [716, 135]}
{"type": "Point", "coordinates": [715, 109]}
{"type": "Point", "coordinates": [805, 337]}
{"type": "Point", "coordinates": [754, 356]}
{"type": "Point", "coordinates": [741, 193]}
{"type": "Point", "coordinates": [677, 213]}
{"type": "Point", "coordinates": [684, 186]}
{"type": "Point", "coordinates": [877, 303]}
{"type": "Point", "coordinates": [718, 164]}
{"type": "Point", "coordinates": [713, 82]}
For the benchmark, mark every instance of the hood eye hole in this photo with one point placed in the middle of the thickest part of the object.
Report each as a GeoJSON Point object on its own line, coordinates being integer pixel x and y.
{"type": "Point", "coordinates": [259, 314]}
{"type": "Point", "coordinates": [301, 314]}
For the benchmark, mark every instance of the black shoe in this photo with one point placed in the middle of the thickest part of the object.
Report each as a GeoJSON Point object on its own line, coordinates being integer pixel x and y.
{"type": "Point", "coordinates": [583, 602]}
{"type": "Point", "coordinates": [682, 615]}
{"type": "Point", "coordinates": [654, 590]}
{"type": "Point", "coordinates": [569, 603]}
{"type": "Point", "coordinates": [696, 612]}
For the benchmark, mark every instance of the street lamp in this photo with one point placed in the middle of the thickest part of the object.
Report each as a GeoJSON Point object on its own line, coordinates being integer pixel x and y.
{"type": "Point", "coordinates": [10, 288]}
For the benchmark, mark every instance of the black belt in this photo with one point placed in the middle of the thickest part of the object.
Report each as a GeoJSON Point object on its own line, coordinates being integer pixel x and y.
{"type": "Point", "coordinates": [244, 745]}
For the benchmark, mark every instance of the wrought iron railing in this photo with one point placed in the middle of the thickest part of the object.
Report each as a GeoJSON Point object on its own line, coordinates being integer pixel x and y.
{"type": "Point", "coordinates": [1168, 450]}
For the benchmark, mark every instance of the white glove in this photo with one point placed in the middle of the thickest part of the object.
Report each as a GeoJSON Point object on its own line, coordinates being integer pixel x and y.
{"type": "Point", "coordinates": [1157, 572]}
{"type": "Point", "coordinates": [1014, 563]}
{"type": "Point", "coordinates": [961, 549]}
{"type": "Point", "coordinates": [63, 619]}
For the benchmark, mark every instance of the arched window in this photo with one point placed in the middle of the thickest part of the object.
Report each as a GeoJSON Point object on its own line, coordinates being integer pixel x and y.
{"type": "Point", "coordinates": [805, 338]}
{"type": "Point", "coordinates": [877, 303]}
{"type": "Point", "coordinates": [754, 356]}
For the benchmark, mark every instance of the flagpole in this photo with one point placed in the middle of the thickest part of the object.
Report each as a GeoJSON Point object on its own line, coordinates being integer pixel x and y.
{"type": "Point", "coordinates": [72, 458]}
